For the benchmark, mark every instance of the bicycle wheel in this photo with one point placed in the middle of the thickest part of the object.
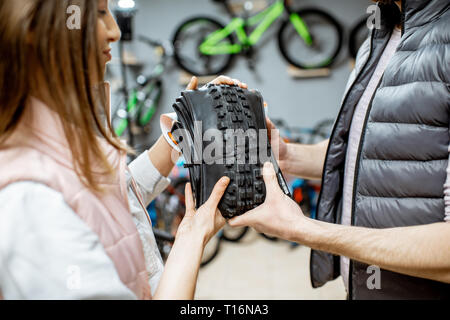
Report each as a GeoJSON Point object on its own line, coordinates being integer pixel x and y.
{"type": "Point", "coordinates": [269, 237]}
{"type": "Point", "coordinates": [171, 210]}
{"type": "Point", "coordinates": [326, 36]}
{"type": "Point", "coordinates": [152, 95]}
{"type": "Point", "coordinates": [358, 35]}
{"type": "Point", "coordinates": [211, 250]}
{"type": "Point", "coordinates": [187, 40]}
{"type": "Point", "coordinates": [233, 234]}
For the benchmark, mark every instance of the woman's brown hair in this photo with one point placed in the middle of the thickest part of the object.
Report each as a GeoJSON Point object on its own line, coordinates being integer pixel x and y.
{"type": "Point", "coordinates": [34, 39]}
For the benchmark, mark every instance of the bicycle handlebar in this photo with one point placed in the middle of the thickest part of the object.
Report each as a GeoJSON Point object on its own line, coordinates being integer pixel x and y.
{"type": "Point", "coordinates": [166, 53]}
{"type": "Point", "coordinates": [164, 45]}
{"type": "Point", "coordinates": [149, 41]}
{"type": "Point", "coordinates": [152, 43]}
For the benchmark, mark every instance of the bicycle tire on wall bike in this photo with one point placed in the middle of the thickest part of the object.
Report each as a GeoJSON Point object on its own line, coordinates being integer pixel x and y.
{"type": "Point", "coordinates": [181, 59]}
{"type": "Point", "coordinates": [310, 15]}
{"type": "Point", "coordinates": [357, 36]}
{"type": "Point", "coordinates": [234, 234]}
{"type": "Point", "coordinates": [267, 237]}
{"type": "Point", "coordinates": [209, 255]}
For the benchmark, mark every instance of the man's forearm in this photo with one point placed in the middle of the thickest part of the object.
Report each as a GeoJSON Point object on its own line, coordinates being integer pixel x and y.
{"type": "Point", "coordinates": [421, 251]}
{"type": "Point", "coordinates": [305, 161]}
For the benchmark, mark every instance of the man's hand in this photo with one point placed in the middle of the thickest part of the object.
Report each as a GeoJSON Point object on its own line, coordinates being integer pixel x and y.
{"type": "Point", "coordinates": [279, 146]}
{"type": "Point", "coordinates": [207, 220]}
{"type": "Point", "coordinates": [420, 251]}
{"type": "Point", "coordinates": [278, 216]}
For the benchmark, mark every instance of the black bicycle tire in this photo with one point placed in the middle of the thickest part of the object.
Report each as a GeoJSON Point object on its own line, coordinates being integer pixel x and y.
{"type": "Point", "coordinates": [237, 238]}
{"type": "Point", "coordinates": [330, 19]}
{"type": "Point", "coordinates": [177, 57]}
{"type": "Point", "coordinates": [352, 46]}
{"type": "Point", "coordinates": [239, 174]}
{"type": "Point", "coordinates": [269, 237]}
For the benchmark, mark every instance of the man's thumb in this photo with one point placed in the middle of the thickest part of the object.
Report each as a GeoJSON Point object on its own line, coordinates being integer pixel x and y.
{"type": "Point", "coordinates": [270, 178]}
{"type": "Point", "coordinates": [242, 220]}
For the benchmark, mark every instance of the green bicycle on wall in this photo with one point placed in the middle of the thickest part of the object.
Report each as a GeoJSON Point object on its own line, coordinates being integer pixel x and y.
{"type": "Point", "coordinates": [307, 39]}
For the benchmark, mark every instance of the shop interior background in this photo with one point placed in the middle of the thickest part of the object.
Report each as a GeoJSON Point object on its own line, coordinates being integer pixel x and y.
{"type": "Point", "coordinates": [299, 102]}
{"type": "Point", "coordinates": [255, 268]}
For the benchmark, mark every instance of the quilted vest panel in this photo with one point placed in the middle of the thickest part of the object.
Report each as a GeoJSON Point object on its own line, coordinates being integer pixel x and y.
{"type": "Point", "coordinates": [403, 156]}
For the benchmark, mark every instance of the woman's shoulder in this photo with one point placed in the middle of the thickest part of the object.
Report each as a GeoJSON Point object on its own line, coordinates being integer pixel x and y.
{"type": "Point", "coordinates": [32, 205]}
{"type": "Point", "coordinates": [27, 195]}
{"type": "Point", "coordinates": [41, 234]}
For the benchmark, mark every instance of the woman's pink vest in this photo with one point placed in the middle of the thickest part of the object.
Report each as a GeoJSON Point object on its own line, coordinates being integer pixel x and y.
{"type": "Point", "coordinates": [38, 151]}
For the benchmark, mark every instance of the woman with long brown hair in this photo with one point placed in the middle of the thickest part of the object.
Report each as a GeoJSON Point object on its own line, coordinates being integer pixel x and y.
{"type": "Point", "coordinates": [72, 214]}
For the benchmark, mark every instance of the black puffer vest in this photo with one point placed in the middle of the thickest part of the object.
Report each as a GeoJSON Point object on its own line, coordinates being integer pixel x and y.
{"type": "Point", "coordinates": [403, 154]}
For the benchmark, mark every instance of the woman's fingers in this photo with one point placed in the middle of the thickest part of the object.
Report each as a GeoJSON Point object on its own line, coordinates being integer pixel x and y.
{"type": "Point", "coordinates": [240, 84]}
{"type": "Point", "coordinates": [227, 80]}
{"type": "Point", "coordinates": [218, 191]}
{"type": "Point", "coordinates": [222, 80]}
{"type": "Point", "coordinates": [193, 84]}
{"type": "Point", "coordinates": [190, 207]}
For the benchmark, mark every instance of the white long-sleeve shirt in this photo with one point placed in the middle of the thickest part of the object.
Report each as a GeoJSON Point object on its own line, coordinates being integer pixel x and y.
{"type": "Point", "coordinates": [48, 252]}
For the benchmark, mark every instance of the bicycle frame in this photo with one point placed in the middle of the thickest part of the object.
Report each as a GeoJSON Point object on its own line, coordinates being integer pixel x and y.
{"type": "Point", "coordinates": [214, 44]}
{"type": "Point", "coordinates": [134, 105]}
{"type": "Point", "coordinates": [151, 91]}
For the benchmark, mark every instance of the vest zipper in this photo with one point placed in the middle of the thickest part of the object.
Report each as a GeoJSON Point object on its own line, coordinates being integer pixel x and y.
{"type": "Point", "coordinates": [340, 111]}
{"type": "Point", "coordinates": [334, 127]}
{"type": "Point", "coordinates": [355, 178]}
